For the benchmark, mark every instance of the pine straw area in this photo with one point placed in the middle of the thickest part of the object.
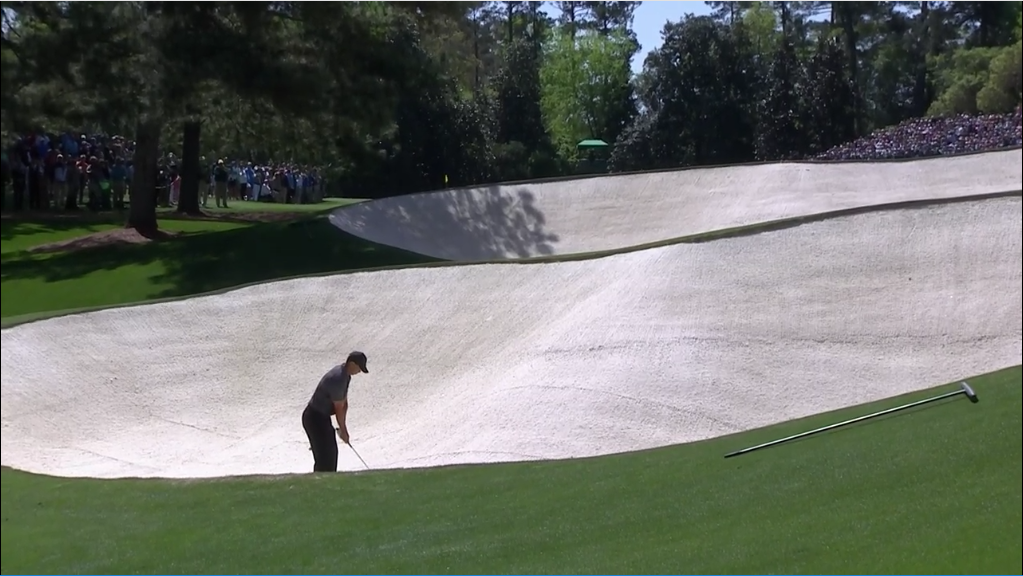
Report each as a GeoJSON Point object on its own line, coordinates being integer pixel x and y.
{"type": "Point", "coordinates": [104, 238]}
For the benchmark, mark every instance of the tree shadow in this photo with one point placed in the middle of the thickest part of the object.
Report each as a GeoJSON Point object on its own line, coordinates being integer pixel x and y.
{"type": "Point", "coordinates": [269, 252]}
{"type": "Point", "coordinates": [482, 224]}
{"type": "Point", "coordinates": [463, 225]}
{"type": "Point", "coordinates": [11, 229]}
{"type": "Point", "coordinates": [60, 266]}
{"type": "Point", "coordinates": [200, 262]}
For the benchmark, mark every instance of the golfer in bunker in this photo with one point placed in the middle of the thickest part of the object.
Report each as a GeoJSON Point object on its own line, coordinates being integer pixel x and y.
{"type": "Point", "coordinates": [330, 397]}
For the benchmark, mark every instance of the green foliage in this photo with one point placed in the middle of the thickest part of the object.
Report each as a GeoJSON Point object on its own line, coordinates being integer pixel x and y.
{"type": "Point", "coordinates": [1019, 22]}
{"type": "Point", "coordinates": [828, 97]}
{"type": "Point", "coordinates": [762, 27]}
{"type": "Point", "coordinates": [780, 131]}
{"type": "Point", "coordinates": [986, 24]}
{"type": "Point", "coordinates": [636, 147]}
{"type": "Point", "coordinates": [1004, 88]}
{"type": "Point", "coordinates": [698, 110]}
{"type": "Point", "coordinates": [731, 12]}
{"type": "Point", "coordinates": [972, 80]}
{"type": "Point", "coordinates": [585, 86]}
{"type": "Point", "coordinates": [516, 107]}
{"type": "Point", "coordinates": [441, 140]}
{"type": "Point", "coordinates": [394, 97]}
{"type": "Point", "coordinates": [894, 81]}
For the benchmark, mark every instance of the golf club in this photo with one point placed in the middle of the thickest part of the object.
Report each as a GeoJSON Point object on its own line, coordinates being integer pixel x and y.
{"type": "Point", "coordinates": [360, 457]}
{"type": "Point", "coordinates": [356, 452]}
{"type": "Point", "coordinates": [964, 388]}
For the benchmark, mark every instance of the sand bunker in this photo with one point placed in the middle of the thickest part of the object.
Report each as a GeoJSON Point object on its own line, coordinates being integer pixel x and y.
{"type": "Point", "coordinates": [496, 362]}
{"type": "Point", "coordinates": [608, 213]}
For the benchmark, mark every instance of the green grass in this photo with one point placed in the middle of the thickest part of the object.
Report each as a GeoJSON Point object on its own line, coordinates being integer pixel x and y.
{"type": "Point", "coordinates": [212, 255]}
{"type": "Point", "coordinates": [932, 490]}
{"type": "Point", "coordinates": [245, 206]}
{"type": "Point", "coordinates": [19, 236]}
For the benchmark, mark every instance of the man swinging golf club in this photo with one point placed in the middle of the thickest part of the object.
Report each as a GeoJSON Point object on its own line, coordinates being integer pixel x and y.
{"type": "Point", "coordinates": [330, 397]}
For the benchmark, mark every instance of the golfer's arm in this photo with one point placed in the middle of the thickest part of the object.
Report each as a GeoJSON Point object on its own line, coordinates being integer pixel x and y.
{"type": "Point", "coordinates": [341, 412]}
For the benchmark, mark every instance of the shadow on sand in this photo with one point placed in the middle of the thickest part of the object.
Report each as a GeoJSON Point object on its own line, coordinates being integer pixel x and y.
{"type": "Point", "coordinates": [484, 223]}
{"type": "Point", "coordinates": [481, 224]}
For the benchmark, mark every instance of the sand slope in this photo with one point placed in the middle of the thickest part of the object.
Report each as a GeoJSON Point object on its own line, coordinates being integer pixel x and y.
{"type": "Point", "coordinates": [608, 213]}
{"type": "Point", "coordinates": [496, 362]}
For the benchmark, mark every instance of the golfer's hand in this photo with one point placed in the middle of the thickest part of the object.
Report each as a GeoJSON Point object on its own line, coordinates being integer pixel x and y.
{"type": "Point", "coordinates": [343, 434]}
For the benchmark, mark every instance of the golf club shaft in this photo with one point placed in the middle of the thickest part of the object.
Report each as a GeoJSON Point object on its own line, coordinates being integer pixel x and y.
{"type": "Point", "coordinates": [359, 456]}
{"type": "Point", "coordinates": [354, 450]}
{"type": "Point", "coordinates": [845, 423]}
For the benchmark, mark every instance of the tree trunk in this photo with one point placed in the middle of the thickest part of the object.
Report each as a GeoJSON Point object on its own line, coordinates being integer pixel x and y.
{"type": "Point", "coordinates": [783, 10]}
{"type": "Point", "coordinates": [985, 19]}
{"type": "Point", "coordinates": [188, 201]}
{"type": "Point", "coordinates": [921, 89]}
{"type": "Point", "coordinates": [142, 196]}
{"type": "Point", "coordinates": [511, 21]}
{"type": "Point", "coordinates": [476, 54]}
{"type": "Point", "coordinates": [571, 20]}
{"type": "Point", "coordinates": [849, 17]}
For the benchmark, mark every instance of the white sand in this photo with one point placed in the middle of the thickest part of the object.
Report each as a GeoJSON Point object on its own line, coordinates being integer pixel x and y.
{"type": "Point", "coordinates": [610, 213]}
{"type": "Point", "coordinates": [517, 362]}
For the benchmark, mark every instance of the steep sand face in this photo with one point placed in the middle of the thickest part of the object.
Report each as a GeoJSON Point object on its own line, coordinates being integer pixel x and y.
{"type": "Point", "coordinates": [520, 221]}
{"type": "Point", "coordinates": [516, 362]}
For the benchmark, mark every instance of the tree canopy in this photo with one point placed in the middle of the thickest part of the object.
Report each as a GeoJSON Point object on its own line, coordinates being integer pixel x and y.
{"type": "Point", "coordinates": [397, 97]}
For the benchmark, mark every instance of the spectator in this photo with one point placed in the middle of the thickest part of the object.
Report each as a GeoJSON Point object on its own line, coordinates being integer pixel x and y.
{"type": "Point", "coordinates": [221, 175]}
{"type": "Point", "coordinates": [67, 170]}
{"type": "Point", "coordinates": [119, 181]}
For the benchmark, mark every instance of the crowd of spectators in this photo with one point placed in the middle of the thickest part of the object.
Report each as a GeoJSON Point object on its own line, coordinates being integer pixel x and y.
{"type": "Point", "coordinates": [42, 171]}
{"type": "Point", "coordinates": [934, 136]}
{"type": "Point", "coordinates": [235, 180]}
{"type": "Point", "coordinates": [68, 171]}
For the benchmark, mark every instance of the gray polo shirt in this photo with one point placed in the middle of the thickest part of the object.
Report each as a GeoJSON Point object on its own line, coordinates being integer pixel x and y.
{"type": "Point", "coordinates": [333, 387]}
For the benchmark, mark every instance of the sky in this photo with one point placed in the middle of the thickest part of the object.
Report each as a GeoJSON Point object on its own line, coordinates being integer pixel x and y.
{"type": "Point", "coordinates": [649, 20]}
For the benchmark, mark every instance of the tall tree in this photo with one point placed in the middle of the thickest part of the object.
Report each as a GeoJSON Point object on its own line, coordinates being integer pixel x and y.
{"type": "Point", "coordinates": [572, 16]}
{"type": "Point", "coordinates": [606, 17]}
{"type": "Point", "coordinates": [829, 97]}
{"type": "Point", "coordinates": [511, 11]}
{"type": "Point", "coordinates": [698, 91]}
{"type": "Point", "coordinates": [585, 85]}
{"type": "Point", "coordinates": [482, 18]}
{"type": "Point", "coordinates": [781, 127]}
{"type": "Point", "coordinates": [730, 13]}
{"type": "Point", "coordinates": [520, 133]}
{"type": "Point", "coordinates": [986, 24]}
{"type": "Point", "coordinates": [847, 16]}
{"type": "Point", "coordinates": [761, 26]}
{"type": "Point", "coordinates": [441, 139]}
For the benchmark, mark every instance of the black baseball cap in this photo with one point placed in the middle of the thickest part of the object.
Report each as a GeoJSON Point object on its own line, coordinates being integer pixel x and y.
{"type": "Point", "coordinates": [360, 360]}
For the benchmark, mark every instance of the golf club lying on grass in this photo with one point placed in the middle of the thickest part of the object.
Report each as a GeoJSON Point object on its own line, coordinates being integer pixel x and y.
{"type": "Point", "coordinates": [964, 388]}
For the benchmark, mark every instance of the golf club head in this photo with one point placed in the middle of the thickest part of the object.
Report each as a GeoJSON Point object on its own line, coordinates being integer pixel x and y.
{"type": "Point", "coordinates": [969, 393]}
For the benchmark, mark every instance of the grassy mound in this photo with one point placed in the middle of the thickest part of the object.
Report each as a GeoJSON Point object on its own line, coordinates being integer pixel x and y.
{"type": "Point", "coordinates": [931, 490]}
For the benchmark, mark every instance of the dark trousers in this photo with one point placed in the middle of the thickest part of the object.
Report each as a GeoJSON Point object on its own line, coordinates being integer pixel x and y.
{"type": "Point", "coordinates": [321, 439]}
